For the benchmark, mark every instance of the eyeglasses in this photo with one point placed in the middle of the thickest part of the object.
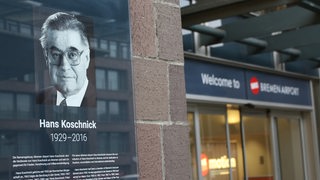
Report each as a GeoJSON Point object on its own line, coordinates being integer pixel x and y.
{"type": "Point", "coordinates": [72, 55]}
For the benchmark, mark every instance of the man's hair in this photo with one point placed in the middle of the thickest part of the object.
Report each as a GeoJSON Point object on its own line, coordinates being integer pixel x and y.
{"type": "Point", "coordinates": [62, 21]}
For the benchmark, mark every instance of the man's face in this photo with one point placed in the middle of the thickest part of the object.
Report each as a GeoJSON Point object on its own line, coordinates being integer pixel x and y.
{"type": "Point", "coordinates": [67, 78]}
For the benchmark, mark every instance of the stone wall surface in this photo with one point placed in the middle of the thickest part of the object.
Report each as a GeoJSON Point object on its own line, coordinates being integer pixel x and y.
{"type": "Point", "coordinates": [159, 90]}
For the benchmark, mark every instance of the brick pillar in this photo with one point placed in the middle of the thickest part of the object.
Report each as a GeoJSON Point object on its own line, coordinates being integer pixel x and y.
{"type": "Point", "coordinates": [159, 90]}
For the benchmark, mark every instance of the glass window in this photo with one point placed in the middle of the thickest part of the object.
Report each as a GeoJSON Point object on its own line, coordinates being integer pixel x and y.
{"type": "Point", "coordinates": [114, 107]}
{"type": "Point", "coordinates": [103, 142]}
{"type": "Point", "coordinates": [104, 44]}
{"type": "Point", "coordinates": [28, 77]}
{"type": "Point", "coordinates": [102, 110]}
{"type": "Point", "coordinates": [15, 142]}
{"type": "Point", "coordinates": [24, 106]}
{"type": "Point", "coordinates": [184, 3]}
{"type": "Point", "coordinates": [100, 79]}
{"type": "Point", "coordinates": [111, 110]}
{"type": "Point", "coordinates": [118, 110]}
{"type": "Point", "coordinates": [113, 49]}
{"type": "Point", "coordinates": [2, 26]}
{"type": "Point", "coordinates": [113, 80]}
{"type": "Point", "coordinates": [28, 143]}
{"type": "Point", "coordinates": [113, 142]}
{"type": "Point", "coordinates": [25, 29]}
{"type": "Point", "coordinates": [118, 142]}
{"type": "Point", "coordinates": [6, 105]}
{"type": "Point", "coordinates": [124, 51]}
{"type": "Point", "coordinates": [188, 40]}
{"type": "Point", "coordinates": [65, 147]}
{"type": "Point", "coordinates": [13, 26]}
{"type": "Point", "coordinates": [16, 105]}
{"type": "Point", "coordinates": [8, 142]}
{"type": "Point", "coordinates": [94, 43]}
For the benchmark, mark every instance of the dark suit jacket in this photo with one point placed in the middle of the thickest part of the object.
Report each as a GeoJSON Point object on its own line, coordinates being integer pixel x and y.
{"type": "Point", "coordinates": [48, 96]}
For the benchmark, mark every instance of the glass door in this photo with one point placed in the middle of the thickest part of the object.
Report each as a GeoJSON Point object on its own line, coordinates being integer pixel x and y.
{"type": "Point", "coordinates": [257, 140]}
{"type": "Point", "coordinates": [214, 152]}
{"type": "Point", "coordinates": [215, 141]}
{"type": "Point", "coordinates": [290, 151]}
{"type": "Point", "coordinates": [232, 143]}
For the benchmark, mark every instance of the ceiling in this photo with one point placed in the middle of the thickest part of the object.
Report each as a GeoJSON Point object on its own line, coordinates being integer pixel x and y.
{"type": "Point", "coordinates": [289, 27]}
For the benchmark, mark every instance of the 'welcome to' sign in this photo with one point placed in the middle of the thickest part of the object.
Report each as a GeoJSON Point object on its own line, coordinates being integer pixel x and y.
{"type": "Point", "coordinates": [204, 78]}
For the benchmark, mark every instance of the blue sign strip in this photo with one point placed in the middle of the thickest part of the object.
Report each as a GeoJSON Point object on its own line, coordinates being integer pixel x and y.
{"type": "Point", "coordinates": [204, 78]}
{"type": "Point", "coordinates": [214, 80]}
{"type": "Point", "coordinates": [272, 88]}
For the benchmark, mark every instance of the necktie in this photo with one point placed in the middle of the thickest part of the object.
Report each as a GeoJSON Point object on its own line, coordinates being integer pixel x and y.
{"type": "Point", "coordinates": [63, 103]}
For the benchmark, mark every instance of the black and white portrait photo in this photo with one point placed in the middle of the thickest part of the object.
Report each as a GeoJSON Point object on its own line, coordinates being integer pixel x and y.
{"type": "Point", "coordinates": [66, 52]}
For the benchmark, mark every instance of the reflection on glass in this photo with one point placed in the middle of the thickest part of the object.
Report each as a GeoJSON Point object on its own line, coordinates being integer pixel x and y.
{"type": "Point", "coordinates": [100, 79]}
{"type": "Point", "coordinates": [113, 80]}
{"type": "Point", "coordinates": [2, 27]}
{"type": "Point", "coordinates": [23, 73]}
{"type": "Point", "coordinates": [102, 109]}
{"type": "Point", "coordinates": [124, 51]}
{"type": "Point", "coordinates": [184, 3]}
{"type": "Point", "coordinates": [214, 147]}
{"type": "Point", "coordinates": [113, 142]}
{"type": "Point", "coordinates": [65, 147]}
{"type": "Point", "coordinates": [25, 29]}
{"type": "Point", "coordinates": [290, 151]}
{"type": "Point", "coordinates": [16, 106]}
{"type": "Point", "coordinates": [113, 49]}
{"type": "Point", "coordinates": [111, 110]}
{"type": "Point", "coordinates": [233, 115]}
{"type": "Point", "coordinates": [13, 26]}
{"type": "Point", "coordinates": [8, 143]}
{"type": "Point", "coordinates": [94, 43]}
{"type": "Point", "coordinates": [6, 105]}
{"type": "Point", "coordinates": [258, 147]}
{"type": "Point", "coordinates": [15, 142]}
{"type": "Point", "coordinates": [28, 77]}
{"type": "Point", "coordinates": [104, 44]}
{"type": "Point", "coordinates": [114, 108]}
{"type": "Point", "coordinates": [24, 107]}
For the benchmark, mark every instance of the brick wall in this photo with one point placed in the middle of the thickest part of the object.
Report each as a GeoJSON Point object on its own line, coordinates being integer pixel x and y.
{"type": "Point", "coordinates": [159, 90]}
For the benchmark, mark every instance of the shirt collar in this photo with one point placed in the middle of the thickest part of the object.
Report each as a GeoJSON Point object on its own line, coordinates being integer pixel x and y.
{"type": "Point", "coordinates": [73, 100]}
